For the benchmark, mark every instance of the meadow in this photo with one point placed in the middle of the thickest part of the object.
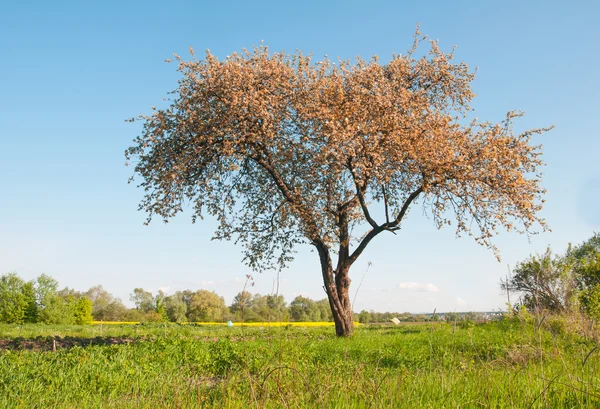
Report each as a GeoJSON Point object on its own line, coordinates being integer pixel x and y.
{"type": "Point", "coordinates": [513, 363]}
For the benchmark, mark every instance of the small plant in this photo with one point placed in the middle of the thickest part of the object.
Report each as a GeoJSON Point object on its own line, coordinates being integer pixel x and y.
{"type": "Point", "coordinates": [223, 357]}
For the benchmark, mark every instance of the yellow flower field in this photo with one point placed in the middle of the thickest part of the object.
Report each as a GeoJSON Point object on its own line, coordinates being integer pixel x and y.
{"type": "Point", "coordinates": [236, 324]}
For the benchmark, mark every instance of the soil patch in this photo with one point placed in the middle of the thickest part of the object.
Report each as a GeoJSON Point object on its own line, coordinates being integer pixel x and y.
{"type": "Point", "coordinates": [54, 343]}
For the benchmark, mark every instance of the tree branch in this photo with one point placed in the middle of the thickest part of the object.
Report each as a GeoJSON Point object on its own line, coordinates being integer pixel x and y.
{"type": "Point", "coordinates": [360, 191]}
{"type": "Point", "coordinates": [385, 203]}
{"type": "Point", "coordinates": [279, 182]}
{"type": "Point", "coordinates": [407, 203]}
{"type": "Point", "coordinates": [386, 226]}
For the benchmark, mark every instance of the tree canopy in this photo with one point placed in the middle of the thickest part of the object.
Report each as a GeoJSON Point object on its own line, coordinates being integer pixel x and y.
{"type": "Point", "coordinates": [284, 150]}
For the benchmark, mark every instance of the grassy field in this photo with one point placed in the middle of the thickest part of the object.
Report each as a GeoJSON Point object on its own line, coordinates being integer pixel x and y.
{"type": "Point", "coordinates": [508, 364]}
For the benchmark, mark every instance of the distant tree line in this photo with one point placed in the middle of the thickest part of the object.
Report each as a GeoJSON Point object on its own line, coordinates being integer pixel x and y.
{"type": "Point", "coordinates": [559, 283]}
{"type": "Point", "coordinates": [41, 301]}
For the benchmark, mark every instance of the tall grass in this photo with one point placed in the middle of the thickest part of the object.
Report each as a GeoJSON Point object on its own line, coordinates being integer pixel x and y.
{"type": "Point", "coordinates": [510, 364]}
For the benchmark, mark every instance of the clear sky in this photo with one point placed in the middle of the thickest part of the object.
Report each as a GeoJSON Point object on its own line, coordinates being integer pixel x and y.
{"type": "Point", "coordinates": [71, 72]}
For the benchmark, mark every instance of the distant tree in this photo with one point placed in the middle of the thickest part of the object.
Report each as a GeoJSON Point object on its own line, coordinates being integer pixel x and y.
{"type": "Point", "coordinates": [160, 308]}
{"type": "Point", "coordinates": [58, 309]}
{"type": "Point", "coordinates": [14, 302]}
{"type": "Point", "coordinates": [65, 306]}
{"type": "Point", "coordinates": [471, 316]}
{"type": "Point", "coordinates": [206, 306]}
{"type": "Point", "coordinates": [325, 314]}
{"type": "Point", "coordinates": [267, 308]}
{"type": "Point", "coordinates": [241, 307]}
{"type": "Point", "coordinates": [105, 306]}
{"type": "Point", "coordinates": [31, 310]}
{"type": "Point", "coordinates": [82, 311]}
{"type": "Point", "coordinates": [54, 307]}
{"type": "Point", "coordinates": [45, 288]}
{"type": "Point", "coordinates": [287, 151]}
{"type": "Point", "coordinates": [452, 317]}
{"type": "Point", "coordinates": [143, 300]}
{"type": "Point", "coordinates": [544, 281]}
{"type": "Point", "coordinates": [304, 309]}
{"type": "Point", "coordinates": [151, 316]}
{"type": "Point", "coordinates": [585, 261]}
{"type": "Point", "coordinates": [176, 307]}
{"type": "Point", "coordinates": [277, 307]}
{"type": "Point", "coordinates": [364, 317]}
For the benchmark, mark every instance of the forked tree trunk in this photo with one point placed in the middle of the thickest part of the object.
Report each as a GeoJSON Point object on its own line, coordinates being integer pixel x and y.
{"type": "Point", "coordinates": [337, 286]}
{"type": "Point", "coordinates": [341, 308]}
{"type": "Point", "coordinates": [337, 283]}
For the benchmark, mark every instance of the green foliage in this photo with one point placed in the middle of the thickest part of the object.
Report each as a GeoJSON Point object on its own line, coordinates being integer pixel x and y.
{"type": "Point", "coordinates": [31, 309]}
{"type": "Point", "coordinates": [15, 301]}
{"type": "Point", "coordinates": [302, 309]}
{"type": "Point", "coordinates": [364, 317]}
{"type": "Point", "coordinates": [151, 316]}
{"type": "Point", "coordinates": [58, 310]}
{"type": "Point", "coordinates": [560, 283]}
{"type": "Point", "coordinates": [590, 299]}
{"type": "Point", "coordinates": [206, 306]}
{"type": "Point", "coordinates": [224, 357]}
{"type": "Point", "coordinates": [241, 306]}
{"type": "Point", "coordinates": [305, 309]}
{"type": "Point", "coordinates": [507, 364]}
{"type": "Point", "coordinates": [556, 325]}
{"type": "Point", "coordinates": [544, 281]}
{"type": "Point", "coordinates": [46, 288]}
{"type": "Point", "coordinates": [82, 311]}
{"type": "Point", "coordinates": [176, 307]}
{"type": "Point", "coordinates": [452, 317]}
{"type": "Point", "coordinates": [40, 301]}
{"type": "Point", "coordinates": [160, 308]}
{"type": "Point", "coordinates": [105, 306]}
{"type": "Point", "coordinates": [143, 300]}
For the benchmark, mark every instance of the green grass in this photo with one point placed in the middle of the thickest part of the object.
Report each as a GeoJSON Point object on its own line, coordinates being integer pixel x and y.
{"type": "Point", "coordinates": [497, 365]}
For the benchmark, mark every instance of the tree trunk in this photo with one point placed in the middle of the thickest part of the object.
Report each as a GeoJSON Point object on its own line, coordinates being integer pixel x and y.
{"type": "Point", "coordinates": [341, 308]}
{"type": "Point", "coordinates": [337, 285]}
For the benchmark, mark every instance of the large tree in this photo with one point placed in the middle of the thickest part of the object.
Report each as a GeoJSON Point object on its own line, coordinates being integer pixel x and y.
{"type": "Point", "coordinates": [283, 150]}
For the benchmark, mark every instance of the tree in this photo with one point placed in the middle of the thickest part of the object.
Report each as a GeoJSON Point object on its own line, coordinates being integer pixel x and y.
{"type": "Point", "coordinates": [324, 310]}
{"type": "Point", "coordinates": [266, 308]}
{"type": "Point", "coordinates": [585, 260]}
{"type": "Point", "coordinates": [176, 307]}
{"type": "Point", "coordinates": [143, 300]}
{"type": "Point", "coordinates": [105, 306]}
{"type": "Point", "coordinates": [58, 309]}
{"type": "Point", "coordinates": [45, 288]}
{"type": "Point", "coordinates": [284, 151]}
{"type": "Point", "coordinates": [303, 309]}
{"type": "Point", "coordinates": [31, 310]}
{"type": "Point", "coordinates": [544, 281]}
{"type": "Point", "coordinates": [14, 303]}
{"type": "Point", "coordinates": [159, 302]}
{"type": "Point", "coordinates": [364, 317]}
{"type": "Point", "coordinates": [82, 311]}
{"type": "Point", "coordinates": [241, 306]}
{"type": "Point", "coordinates": [277, 307]}
{"type": "Point", "coordinates": [206, 306]}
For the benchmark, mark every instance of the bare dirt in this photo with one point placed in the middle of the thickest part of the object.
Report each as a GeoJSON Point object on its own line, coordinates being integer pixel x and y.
{"type": "Point", "coordinates": [55, 343]}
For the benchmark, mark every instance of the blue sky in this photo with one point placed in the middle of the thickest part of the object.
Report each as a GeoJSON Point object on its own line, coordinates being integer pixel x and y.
{"type": "Point", "coordinates": [72, 72]}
